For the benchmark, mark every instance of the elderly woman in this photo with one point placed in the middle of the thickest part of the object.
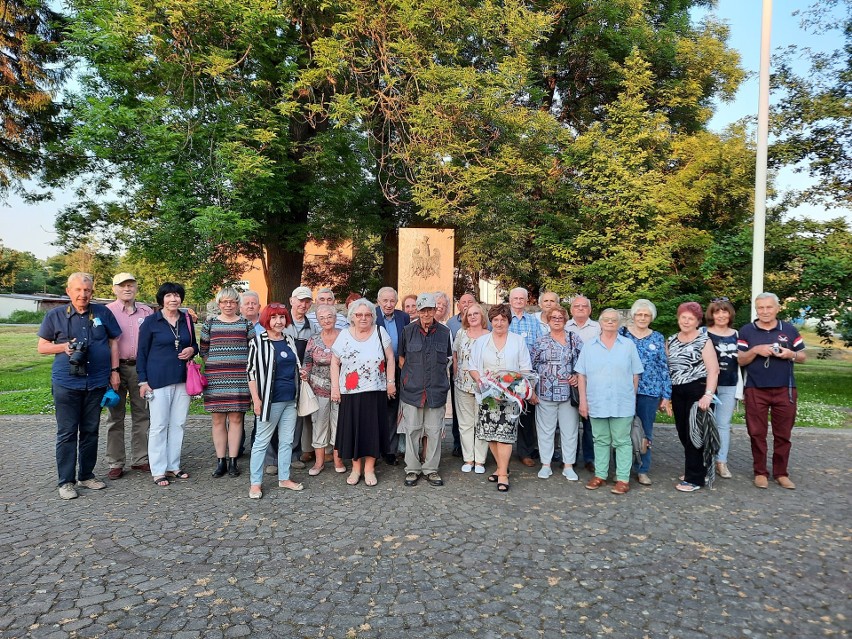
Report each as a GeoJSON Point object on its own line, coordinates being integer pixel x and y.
{"type": "Point", "coordinates": [609, 369]}
{"type": "Point", "coordinates": [720, 319]}
{"type": "Point", "coordinates": [655, 385]}
{"type": "Point", "coordinates": [493, 352]}
{"type": "Point", "coordinates": [554, 358]}
{"type": "Point", "coordinates": [443, 307]}
{"type": "Point", "coordinates": [362, 380]}
{"type": "Point", "coordinates": [224, 348]}
{"type": "Point", "coordinates": [409, 305]}
{"type": "Point", "coordinates": [317, 373]}
{"type": "Point", "coordinates": [695, 371]}
{"type": "Point", "coordinates": [273, 381]}
{"type": "Point", "coordinates": [474, 326]}
{"type": "Point", "coordinates": [166, 344]}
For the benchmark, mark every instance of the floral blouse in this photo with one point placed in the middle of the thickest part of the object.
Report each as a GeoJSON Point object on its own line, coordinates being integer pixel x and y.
{"type": "Point", "coordinates": [463, 346]}
{"type": "Point", "coordinates": [655, 381]}
{"type": "Point", "coordinates": [318, 366]}
{"type": "Point", "coordinates": [362, 364]}
{"type": "Point", "coordinates": [555, 364]}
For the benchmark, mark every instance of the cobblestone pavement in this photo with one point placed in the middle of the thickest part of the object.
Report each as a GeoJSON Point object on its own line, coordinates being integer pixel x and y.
{"type": "Point", "coordinates": [548, 559]}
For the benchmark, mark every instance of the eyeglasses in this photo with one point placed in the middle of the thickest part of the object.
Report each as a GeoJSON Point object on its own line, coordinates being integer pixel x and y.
{"type": "Point", "coordinates": [720, 299]}
{"type": "Point", "coordinates": [363, 315]}
{"type": "Point", "coordinates": [227, 301]}
{"type": "Point", "coordinates": [608, 320]}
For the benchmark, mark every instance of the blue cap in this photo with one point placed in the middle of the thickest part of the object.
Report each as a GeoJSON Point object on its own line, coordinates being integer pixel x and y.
{"type": "Point", "coordinates": [111, 399]}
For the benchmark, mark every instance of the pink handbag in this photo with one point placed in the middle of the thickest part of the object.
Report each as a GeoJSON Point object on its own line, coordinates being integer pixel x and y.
{"type": "Point", "coordinates": [195, 379]}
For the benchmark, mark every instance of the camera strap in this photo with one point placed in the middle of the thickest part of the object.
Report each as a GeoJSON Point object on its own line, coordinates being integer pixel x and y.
{"type": "Point", "coordinates": [69, 311]}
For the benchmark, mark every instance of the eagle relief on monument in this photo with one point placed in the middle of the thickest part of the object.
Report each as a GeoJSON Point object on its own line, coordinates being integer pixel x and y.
{"type": "Point", "coordinates": [425, 261]}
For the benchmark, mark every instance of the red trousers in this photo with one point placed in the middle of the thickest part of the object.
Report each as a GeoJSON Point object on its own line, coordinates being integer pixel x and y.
{"type": "Point", "coordinates": [761, 405]}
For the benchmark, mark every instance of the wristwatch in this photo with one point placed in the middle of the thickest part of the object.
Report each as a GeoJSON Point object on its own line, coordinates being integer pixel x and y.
{"type": "Point", "coordinates": [114, 370]}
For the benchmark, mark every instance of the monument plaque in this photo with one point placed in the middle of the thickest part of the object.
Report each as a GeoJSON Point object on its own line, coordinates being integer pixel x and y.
{"type": "Point", "coordinates": [426, 261]}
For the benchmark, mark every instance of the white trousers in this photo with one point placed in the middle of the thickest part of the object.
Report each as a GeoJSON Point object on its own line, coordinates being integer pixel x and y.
{"type": "Point", "coordinates": [547, 415]}
{"type": "Point", "coordinates": [473, 449]}
{"type": "Point", "coordinates": [168, 411]}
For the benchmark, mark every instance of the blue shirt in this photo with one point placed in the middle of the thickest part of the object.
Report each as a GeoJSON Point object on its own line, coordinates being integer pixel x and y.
{"type": "Point", "coordinates": [528, 327]}
{"type": "Point", "coordinates": [390, 327]}
{"type": "Point", "coordinates": [157, 360]}
{"type": "Point", "coordinates": [655, 381]}
{"type": "Point", "coordinates": [97, 325]}
{"type": "Point", "coordinates": [609, 377]}
{"type": "Point", "coordinates": [284, 381]}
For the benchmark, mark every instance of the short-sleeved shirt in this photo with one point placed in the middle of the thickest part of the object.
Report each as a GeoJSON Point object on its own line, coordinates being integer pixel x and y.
{"type": "Point", "coordinates": [726, 353]}
{"type": "Point", "coordinates": [554, 364]}
{"type": "Point", "coordinates": [779, 372]}
{"type": "Point", "coordinates": [129, 323]}
{"type": "Point", "coordinates": [96, 326]}
{"type": "Point", "coordinates": [609, 376]}
{"type": "Point", "coordinates": [528, 327]}
{"type": "Point", "coordinates": [362, 364]}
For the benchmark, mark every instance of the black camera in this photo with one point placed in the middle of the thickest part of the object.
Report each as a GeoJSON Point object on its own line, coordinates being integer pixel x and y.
{"type": "Point", "coordinates": [77, 360]}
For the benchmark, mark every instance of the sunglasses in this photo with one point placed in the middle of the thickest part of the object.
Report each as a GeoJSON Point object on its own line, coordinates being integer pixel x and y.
{"type": "Point", "coordinates": [720, 299]}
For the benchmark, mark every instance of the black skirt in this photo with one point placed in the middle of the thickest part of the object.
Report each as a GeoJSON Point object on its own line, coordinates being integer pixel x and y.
{"type": "Point", "coordinates": [362, 425]}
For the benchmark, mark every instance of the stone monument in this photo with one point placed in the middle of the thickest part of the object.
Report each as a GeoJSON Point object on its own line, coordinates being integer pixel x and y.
{"type": "Point", "coordinates": [426, 261]}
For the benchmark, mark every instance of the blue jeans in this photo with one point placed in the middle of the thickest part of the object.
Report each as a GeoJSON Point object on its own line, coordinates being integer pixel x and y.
{"type": "Point", "coordinates": [282, 419]}
{"type": "Point", "coordinates": [78, 416]}
{"type": "Point", "coordinates": [724, 411]}
{"type": "Point", "coordinates": [646, 411]}
{"type": "Point", "coordinates": [586, 445]}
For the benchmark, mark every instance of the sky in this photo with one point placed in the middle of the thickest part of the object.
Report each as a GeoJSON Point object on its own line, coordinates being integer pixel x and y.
{"type": "Point", "coordinates": [30, 227]}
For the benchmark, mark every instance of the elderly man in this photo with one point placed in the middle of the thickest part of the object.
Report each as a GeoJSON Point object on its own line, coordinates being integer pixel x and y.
{"type": "Point", "coordinates": [325, 296]}
{"type": "Point", "coordinates": [301, 330]}
{"type": "Point", "coordinates": [394, 321]}
{"type": "Point", "coordinates": [547, 301]}
{"type": "Point", "coordinates": [528, 327]}
{"type": "Point", "coordinates": [768, 350]}
{"type": "Point", "coordinates": [129, 314]}
{"type": "Point", "coordinates": [82, 337]}
{"type": "Point", "coordinates": [587, 328]}
{"type": "Point", "coordinates": [424, 353]}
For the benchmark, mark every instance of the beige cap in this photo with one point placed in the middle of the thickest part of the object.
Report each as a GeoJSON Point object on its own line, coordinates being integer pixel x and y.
{"type": "Point", "coordinates": [122, 277]}
{"type": "Point", "coordinates": [302, 293]}
{"type": "Point", "coordinates": [426, 300]}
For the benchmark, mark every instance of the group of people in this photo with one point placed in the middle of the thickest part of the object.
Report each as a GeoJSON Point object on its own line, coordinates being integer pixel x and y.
{"type": "Point", "coordinates": [374, 384]}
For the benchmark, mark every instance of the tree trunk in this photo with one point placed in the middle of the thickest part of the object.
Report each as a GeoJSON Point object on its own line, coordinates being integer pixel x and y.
{"type": "Point", "coordinates": [284, 274]}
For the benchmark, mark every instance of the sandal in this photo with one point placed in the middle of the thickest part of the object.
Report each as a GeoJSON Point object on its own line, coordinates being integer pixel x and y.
{"type": "Point", "coordinates": [493, 478]}
{"type": "Point", "coordinates": [162, 482]}
{"type": "Point", "coordinates": [353, 478]}
{"type": "Point", "coordinates": [178, 474]}
{"type": "Point", "coordinates": [503, 488]}
{"type": "Point", "coordinates": [370, 479]}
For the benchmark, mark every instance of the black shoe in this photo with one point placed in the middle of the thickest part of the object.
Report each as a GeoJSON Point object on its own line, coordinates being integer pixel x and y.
{"type": "Point", "coordinates": [233, 471]}
{"type": "Point", "coordinates": [391, 460]}
{"type": "Point", "coordinates": [221, 467]}
{"type": "Point", "coordinates": [457, 451]}
{"type": "Point", "coordinates": [411, 479]}
{"type": "Point", "coordinates": [434, 479]}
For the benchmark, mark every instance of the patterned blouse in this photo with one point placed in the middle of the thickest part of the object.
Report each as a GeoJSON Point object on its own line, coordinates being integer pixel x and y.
{"type": "Point", "coordinates": [555, 364]}
{"type": "Point", "coordinates": [686, 363]}
{"type": "Point", "coordinates": [318, 366]}
{"type": "Point", "coordinates": [655, 381]}
{"type": "Point", "coordinates": [362, 364]}
{"type": "Point", "coordinates": [463, 346]}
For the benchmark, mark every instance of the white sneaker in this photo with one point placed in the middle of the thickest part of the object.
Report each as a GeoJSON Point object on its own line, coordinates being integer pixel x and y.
{"type": "Point", "coordinates": [94, 484]}
{"type": "Point", "coordinates": [67, 491]}
{"type": "Point", "coordinates": [466, 468]}
{"type": "Point", "coordinates": [479, 469]}
{"type": "Point", "coordinates": [569, 474]}
{"type": "Point", "coordinates": [545, 472]}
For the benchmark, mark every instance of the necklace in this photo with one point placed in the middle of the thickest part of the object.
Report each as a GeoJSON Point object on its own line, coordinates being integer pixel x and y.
{"type": "Point", "coordinates": [176, 332]}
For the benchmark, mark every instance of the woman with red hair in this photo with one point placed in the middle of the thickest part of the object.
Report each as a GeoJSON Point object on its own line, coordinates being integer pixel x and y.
{"type": "Point", "coordinates": [273, 373]}
{"type": "Point", "coordinates": [694, 371]}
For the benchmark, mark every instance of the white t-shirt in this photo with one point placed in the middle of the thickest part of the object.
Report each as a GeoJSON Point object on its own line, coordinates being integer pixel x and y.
{"type": "Point", "coordinates": [362, 363]}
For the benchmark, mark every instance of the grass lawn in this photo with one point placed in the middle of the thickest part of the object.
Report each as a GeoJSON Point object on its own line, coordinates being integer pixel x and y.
{"type": "Point", "coordinates": [825, 386]}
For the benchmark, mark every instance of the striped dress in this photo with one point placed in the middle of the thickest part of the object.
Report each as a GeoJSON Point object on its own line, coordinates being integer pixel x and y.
{"type": "Point", "coordinates": [224, 347]}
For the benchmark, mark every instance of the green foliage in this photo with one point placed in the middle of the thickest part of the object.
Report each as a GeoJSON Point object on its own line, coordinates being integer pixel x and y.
{"type": "Point", "coordinates": [24, 317]}
{"type": "Point", "coordinates": [812, 116]}
{"type": "Point", "coordinates": [32, 66]}
{"type": "Point", "coordinates": [21, 272]}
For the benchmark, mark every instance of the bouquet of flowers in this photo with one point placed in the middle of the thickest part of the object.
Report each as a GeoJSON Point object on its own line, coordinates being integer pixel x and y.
{"type": "Point", "coordinates": [508, 389]}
